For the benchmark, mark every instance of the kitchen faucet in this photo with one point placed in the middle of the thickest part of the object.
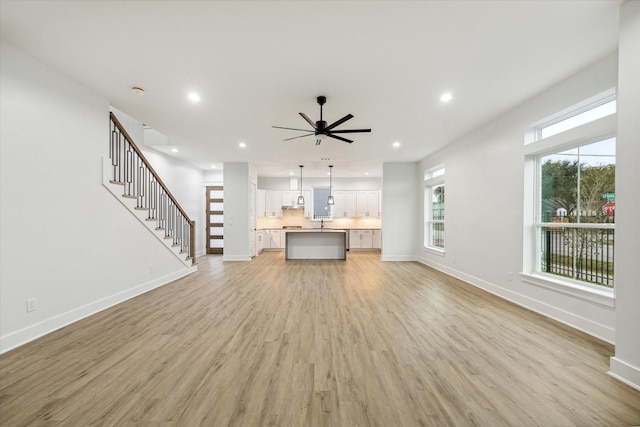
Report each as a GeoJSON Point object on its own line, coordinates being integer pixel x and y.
{"type": "Point", "coordinates": [321, 223]}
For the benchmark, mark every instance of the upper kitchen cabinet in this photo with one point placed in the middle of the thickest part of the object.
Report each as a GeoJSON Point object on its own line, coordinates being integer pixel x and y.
{"type": "Point", "coordinates": [368, 203]}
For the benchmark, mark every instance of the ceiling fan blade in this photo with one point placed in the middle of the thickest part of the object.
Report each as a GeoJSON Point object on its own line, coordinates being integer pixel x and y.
{"type": "Point", "coordinates": [351, 130]}
{"type": "Point", "coordinates": [339, 122]}
{"type": "Point", "coordinates": [303, 130]}
{"type": "Point", "coordinates": [304, 116]}
{"type": "Point", "coordinates": [339, 137]}
{"type": "Point", "coordinates": [301, 136]}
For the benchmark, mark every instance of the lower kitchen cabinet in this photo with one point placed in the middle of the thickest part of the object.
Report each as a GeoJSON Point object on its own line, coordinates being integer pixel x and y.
{"type": "Point", "coordinates": [364, 239]}
{"type": "Point", "coordinates": [272, 239]}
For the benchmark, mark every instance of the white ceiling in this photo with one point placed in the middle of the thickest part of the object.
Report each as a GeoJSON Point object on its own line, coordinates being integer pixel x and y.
{"type": "Point", "coordinates": [259, 63]}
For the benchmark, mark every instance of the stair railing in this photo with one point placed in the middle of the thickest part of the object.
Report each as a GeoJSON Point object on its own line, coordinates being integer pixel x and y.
{"type": "Point", "coordinates": [141, 182]}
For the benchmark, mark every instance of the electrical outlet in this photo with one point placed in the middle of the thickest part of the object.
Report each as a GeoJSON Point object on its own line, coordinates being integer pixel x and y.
{"type": "Point", "coordinates": [31, 305]}
{"type": "Point", "coordinates": [509, 276]}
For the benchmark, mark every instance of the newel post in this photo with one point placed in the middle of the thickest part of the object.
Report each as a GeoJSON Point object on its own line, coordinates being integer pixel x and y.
{"type": "Point", "coordinates": [192, 242]}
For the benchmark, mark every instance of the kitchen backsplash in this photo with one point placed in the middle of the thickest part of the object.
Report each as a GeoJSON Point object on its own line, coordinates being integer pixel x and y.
{"type": "Point", "coordinates": [295, 217]}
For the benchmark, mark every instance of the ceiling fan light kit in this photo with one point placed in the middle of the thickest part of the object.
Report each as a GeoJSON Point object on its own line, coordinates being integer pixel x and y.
{"type": "Point", "coordinates": [320, 129]}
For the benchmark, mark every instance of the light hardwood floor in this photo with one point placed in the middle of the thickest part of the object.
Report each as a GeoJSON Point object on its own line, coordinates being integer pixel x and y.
{"type": "Point", "coordinates": [314, 343]}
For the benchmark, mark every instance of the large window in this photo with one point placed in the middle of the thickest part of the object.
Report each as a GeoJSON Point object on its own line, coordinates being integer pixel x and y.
{"type": "Point", "coordinates": [573, 162]}
{"type": "Point", "coordinates": [577, 213]}
{"type": "Point", "coordinates": [434, 209]}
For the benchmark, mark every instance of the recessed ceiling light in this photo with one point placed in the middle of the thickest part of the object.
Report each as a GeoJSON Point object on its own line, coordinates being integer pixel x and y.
{"type": "Point", "coordinates": [242, 145]}
{"type": "Point", "coordinates": [396, 144]}
{"type": "Point", "coordinates": [174, 150]}
{"type": "Point", "coordinates": [446, 97]}
{"type": "Point", "coordinates": [137, 90]}
{"type": "Point", "coordinates": [193, 97]}
{"type": "Point", "coordinates": [366, 173]}
{"type": "Point", "coordinates": [213, 166]}
{"type": "Point", "coordinates": [291, 173]}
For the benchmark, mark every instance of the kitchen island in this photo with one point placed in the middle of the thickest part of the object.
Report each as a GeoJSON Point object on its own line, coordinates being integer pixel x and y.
{"type": "Point", "coordinates": [316, 244]}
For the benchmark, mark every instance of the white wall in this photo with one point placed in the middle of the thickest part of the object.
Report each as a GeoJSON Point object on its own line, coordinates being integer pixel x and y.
{"type": "Point", "coordinates": [400, 187]}
{"type": "Point", "coordinates": [184, 181]}
{"type": "Point", "coordinates": [236, 211]}
{"type": "Point", "coordinates": [364, 184]}
{"type": "Point", "coordinates": [65, 240]}
{"type": "Point", "coordinates": [626, 363]}
{"type": "Point", "coordinates": [484, 205]}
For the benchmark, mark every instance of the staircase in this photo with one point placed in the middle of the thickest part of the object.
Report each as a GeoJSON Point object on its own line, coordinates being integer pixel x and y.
{"type": "Point", "coordinates": [130, 178]}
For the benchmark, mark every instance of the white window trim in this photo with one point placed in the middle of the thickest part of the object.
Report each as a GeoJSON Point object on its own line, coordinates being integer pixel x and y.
{"type": "Point", "coordinates": [597, 130]}
{"type": "Point", "coordinates": [533, 132]}
{"type": "Point", "coordinates": [429, 183]}
{"type": "Point", "coordinates": [574, 288]}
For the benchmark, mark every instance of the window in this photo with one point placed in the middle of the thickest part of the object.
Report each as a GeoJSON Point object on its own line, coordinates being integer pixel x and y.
{"type": "Point", "coordinates": [577, 213]}
{"type": "Point", "coordinates": [434, 209]}
{"type": "Point", "coordinates": [572, 242]}
{"type": "Point", "coordinates": [576, 120]}
{"type": "Point", "coordinates": [321, 210]}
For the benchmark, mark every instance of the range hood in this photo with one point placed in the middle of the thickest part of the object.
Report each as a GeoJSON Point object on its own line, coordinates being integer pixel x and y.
{"type": "Point", "coordinates": [293, 186]}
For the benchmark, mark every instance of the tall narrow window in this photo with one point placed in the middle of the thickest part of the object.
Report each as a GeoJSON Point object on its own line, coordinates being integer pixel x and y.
{"type": "Point", "coordinates": [434, 236]}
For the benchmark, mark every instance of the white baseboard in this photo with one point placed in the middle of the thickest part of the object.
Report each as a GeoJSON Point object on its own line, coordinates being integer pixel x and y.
{"type": "Point", "coordinates": [384, 257]}
{"type": "Point", "coordinates": [588, 326]}
{"type": "Point", "coordinates": [30, 333]}
{"type": "Point", "coordinates": [624, 372]}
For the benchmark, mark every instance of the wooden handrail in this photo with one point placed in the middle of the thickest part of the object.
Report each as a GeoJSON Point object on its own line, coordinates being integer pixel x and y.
{"type": "Point", "coordinates": [142, 192]}
{"type": "Point", "coordinates": [147, 164]}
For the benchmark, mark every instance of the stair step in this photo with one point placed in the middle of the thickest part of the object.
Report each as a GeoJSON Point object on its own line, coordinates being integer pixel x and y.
{"type": "Point", "coordinates": [168, 237]}
{"type": "Point", "coordinates": [129, 196]}
{"type": "Point", "coordinates": [140, 208]}
{"type": "Point", "coordinates": [150, 219]}
{"type": "Point", "coordinates": [118, 182]}
{"type": "Point", "coordinates": [159, 228]}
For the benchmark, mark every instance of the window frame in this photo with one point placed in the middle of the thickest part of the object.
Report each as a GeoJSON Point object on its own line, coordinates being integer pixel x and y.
{"type": "Point", "coordinates": [594, 131]}
{"type": "Point", "coordinates": [434, 177]}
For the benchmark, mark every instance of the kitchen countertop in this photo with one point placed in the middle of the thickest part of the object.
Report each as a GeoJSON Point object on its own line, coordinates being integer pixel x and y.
{"type": "Point", "coordinates": [316, 229]}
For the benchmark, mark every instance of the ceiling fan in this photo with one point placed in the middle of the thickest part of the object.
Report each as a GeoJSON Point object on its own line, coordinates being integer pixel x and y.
{"type": "Point", "coordinates": [320, 128]}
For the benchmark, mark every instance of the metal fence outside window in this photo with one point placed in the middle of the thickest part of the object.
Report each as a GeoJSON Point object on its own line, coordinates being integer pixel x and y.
{"type": "Point", "coordinates": [584, 254]}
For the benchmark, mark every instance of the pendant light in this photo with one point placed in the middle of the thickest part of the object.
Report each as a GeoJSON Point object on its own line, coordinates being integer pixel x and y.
{"type": "Point", "coordinates": [330, 200]}
{"type": "Point", "coordinates": [301, 197]}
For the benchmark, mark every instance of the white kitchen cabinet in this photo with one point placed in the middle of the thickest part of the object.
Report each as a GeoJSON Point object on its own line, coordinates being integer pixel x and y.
{"type": "Point", "coordinates": [260, 240]}
{"type": "Point", "coordinates": [376, 237]}
{"type": "Point", "coordinates": [360, 239]}
{"type": "Point", "coordinates": [261, 207]}
{"type": "Point", "coordinates": [275, 239]}
{"type": "Point", "coordinates": [290, 198]}
{"type": "Point", "coordinates": [368, 203]}
{"type": "Point", "coordinates": [273, 203]}
{"type": "Point", "coordinates": [345, 203]}
{"type": "Point", "coordinates": [339, 207]}
{"type": "Point", "coordinates": [308, 203]}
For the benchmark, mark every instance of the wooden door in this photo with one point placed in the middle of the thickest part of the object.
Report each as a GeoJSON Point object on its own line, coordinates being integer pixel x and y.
{"type": "Point", "coordinates": [215, 219]}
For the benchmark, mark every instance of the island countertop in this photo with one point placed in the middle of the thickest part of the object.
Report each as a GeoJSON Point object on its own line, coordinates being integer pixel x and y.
{"type": "Point", "coordinates": [316, 243]}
